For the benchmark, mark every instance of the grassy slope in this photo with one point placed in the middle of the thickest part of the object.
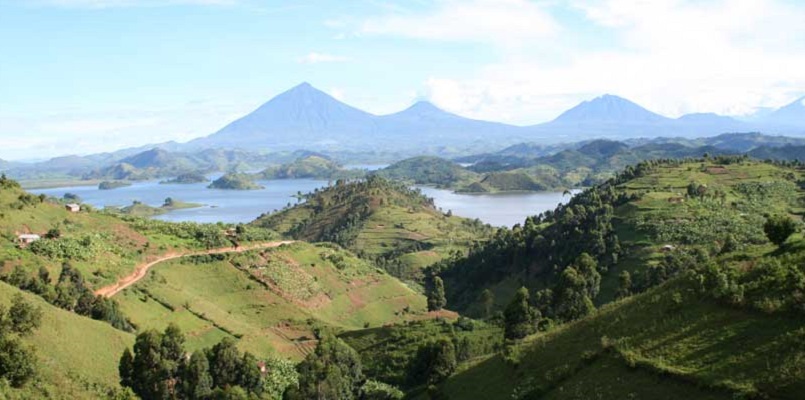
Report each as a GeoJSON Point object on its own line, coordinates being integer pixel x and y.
{"type": "Point", "coordinates": [118, 243]}
{"type": "Point", "coordinates": [394, 221]}
{"type": "Point", "coordinates": [78, 357]}
{"type": "Point", "coordinates": [216, 299]}
{"type": "Point", "coordinates": [671, 182]}
{"type": "Point", "coordinates": [688, 347]}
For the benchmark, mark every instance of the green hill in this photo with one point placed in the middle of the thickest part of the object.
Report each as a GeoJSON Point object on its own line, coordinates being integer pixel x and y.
{"type": "Point", "coordinates": [309, 167]}
{"type": "Point", "coordinates": [77, 356]}
{"type": "Point", "coordinates": [396, 226]}
{"type": "Point", "coordinates": [234, 181]}
{"type": "Point", "coordinates": [272, 300]}
{"type": "Point", "coordinates": [626, 223]}
{"type": "Point", "coordinates": [428, 170]}
{"type": "Point", "coordinates": [668, 343]}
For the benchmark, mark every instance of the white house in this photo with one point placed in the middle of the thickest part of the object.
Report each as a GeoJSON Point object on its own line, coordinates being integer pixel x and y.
{"type": "Point", "coordinates": [27, 238]}
{"type": "Point", "coordinates": [73, 207]}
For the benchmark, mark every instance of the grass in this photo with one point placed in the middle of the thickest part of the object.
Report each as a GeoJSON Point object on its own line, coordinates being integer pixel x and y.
{"type": "Point", "coordinates": [653, 345]}
{"type": "Point", "coordinates": [78, 357]}
{"type": "Point", "coordinates": [264, 309]}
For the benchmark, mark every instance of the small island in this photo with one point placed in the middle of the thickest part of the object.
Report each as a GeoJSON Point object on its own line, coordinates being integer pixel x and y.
{"type": "Point", "coordinates": [235, 181]}
{"type": "Point", "coordinates": [109, 185]}
{"type": "Point", "coordinates": [185, 179]}
{"type": "Point", "coordinates": [144, 210]}
{"type": "Point", "coordinates": [310, 167]}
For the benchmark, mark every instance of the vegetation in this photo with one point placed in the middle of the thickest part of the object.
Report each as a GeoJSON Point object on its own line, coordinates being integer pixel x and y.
{"type": "Point", "coordinates": [234, 181]}
{"type": "Point", "coordinates": [386, 222]}
{"type": "Point", "coordinates": [273, 301]}
{"type": "Point", "coordinates": [109, 185]}
{"type": "Point", "coordinates": [428, 171]}
{"type": "Point", "coordinates": [312, 166]}
{"type": "Point", "coordinates": [186, 178]}
{"type": "Point", "coordinates": [143, 210]}
{"type": "Point", "coordinates": [158, 369]}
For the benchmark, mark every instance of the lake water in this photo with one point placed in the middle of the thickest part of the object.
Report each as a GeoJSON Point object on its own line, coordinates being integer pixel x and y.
{"type": "Point", "coordinates": [234, 206]}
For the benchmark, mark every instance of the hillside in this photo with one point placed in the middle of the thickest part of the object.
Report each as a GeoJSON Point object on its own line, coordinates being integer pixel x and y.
{"type": "Point", "coordinates": [427, 170]}
{"type": "Point", "coordinates": [625, 222]}
{"type": "Point", "coordinates": [77, 356]}
{"type": "Point", "coordinates": [271, 301]}
{"type": "Point", "coordinates": [668, 343]}
{"type": "Point", "coordinates": [309, 167]}
{"type": "Point", "coordinates": [235, 181]}
{"type": "Point", "coordinates": [393, 225]}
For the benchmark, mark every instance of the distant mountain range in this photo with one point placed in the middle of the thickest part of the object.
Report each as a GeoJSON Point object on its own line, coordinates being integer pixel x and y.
{"type": "Point", "coordinates": [305, 117]}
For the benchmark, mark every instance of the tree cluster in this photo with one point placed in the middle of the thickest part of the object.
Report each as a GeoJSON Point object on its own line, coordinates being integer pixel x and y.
{"type": "Point", "coordinates": [161, 368]}
{"type": "Point", "coordinates": [17, 361]}
{"type": "Point", "coordinates": [71, 293]}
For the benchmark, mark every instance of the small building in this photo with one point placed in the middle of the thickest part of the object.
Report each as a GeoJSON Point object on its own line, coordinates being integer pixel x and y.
{"type": "Point", "coordinates": [73, 207]}
{"type": "Point", "coordinates": [676, 200]}
{"type": "Point", "coordinates": [667, 248]}
{"type": "Point", "coordinates": [27, 238]}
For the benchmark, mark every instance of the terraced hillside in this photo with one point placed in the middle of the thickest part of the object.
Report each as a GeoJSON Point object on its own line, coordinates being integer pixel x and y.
{"type": "Point", "coordinates": [632, 224]}
{"type": "Point", "coordinates": [272, 301]}
{"type": "Point", "coordinates": [671, 342]}
{"type": "Point", "coordinates": [396, 226]}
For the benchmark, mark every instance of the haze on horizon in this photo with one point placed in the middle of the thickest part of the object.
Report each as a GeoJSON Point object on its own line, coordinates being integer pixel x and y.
{"type": "Point", "coordinates": [84, 76]}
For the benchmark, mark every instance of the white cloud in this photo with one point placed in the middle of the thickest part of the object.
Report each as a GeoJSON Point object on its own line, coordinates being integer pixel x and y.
{"type": "Point", "coordinates": [671, 56]}
{"type": "Point", "coordinates": [503, 22]}
{"type": "Point", "coordinates": [316, 58]}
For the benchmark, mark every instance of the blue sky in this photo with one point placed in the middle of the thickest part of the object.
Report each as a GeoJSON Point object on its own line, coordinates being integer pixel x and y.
{"type": "Point", "coordinates": [82, 76]}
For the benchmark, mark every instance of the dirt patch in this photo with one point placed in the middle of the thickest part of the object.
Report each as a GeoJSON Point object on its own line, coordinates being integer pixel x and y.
{"type": "Point", "coordinates": [717, 170]}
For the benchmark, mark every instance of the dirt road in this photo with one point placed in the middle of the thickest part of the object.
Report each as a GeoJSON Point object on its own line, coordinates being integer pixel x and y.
{"type": "Point", "coordinates": [142, 269]}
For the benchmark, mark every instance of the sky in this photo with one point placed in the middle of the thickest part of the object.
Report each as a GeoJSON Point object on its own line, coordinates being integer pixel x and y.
{"type": "Point", "coordinates": [85, 76]}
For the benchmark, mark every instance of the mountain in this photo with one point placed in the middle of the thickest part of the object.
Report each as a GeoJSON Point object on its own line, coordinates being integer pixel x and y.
{"type": "Point", "coordinates": [792, 114]}
{"type": "Point", "coordinates": [608, 109]}
{"type": "Point", "coordinates": [305, 117]}
{"type": "Point", "coordinates": [300, 117]}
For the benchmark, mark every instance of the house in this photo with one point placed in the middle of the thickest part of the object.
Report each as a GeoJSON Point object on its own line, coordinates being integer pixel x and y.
{"type": "Point", "coordinates": [27, 238]}
{"type": "Point", "coordinates": [667, 248]}
{"type": "Point", "coordinates": [73, 207]}
{"type": "Point", "coordinates": [676, 200]}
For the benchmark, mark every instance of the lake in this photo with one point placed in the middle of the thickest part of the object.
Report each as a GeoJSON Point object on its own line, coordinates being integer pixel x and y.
{"type": "Point", "coordinates": [234, 206]}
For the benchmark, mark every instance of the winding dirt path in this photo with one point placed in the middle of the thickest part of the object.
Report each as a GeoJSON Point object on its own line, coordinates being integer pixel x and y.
{"type": "Point", "coordinates": [141, 270]}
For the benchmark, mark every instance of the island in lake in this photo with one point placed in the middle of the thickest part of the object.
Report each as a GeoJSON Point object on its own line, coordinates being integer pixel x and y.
{"type": "Point", "coordinates": [235, 181]}
{"type": "Point", "coordinates": [139, 209]}
{"type": "Point", "coordinates": [185, 179]}
{"type": "Point", "coordinates": [109, 185]}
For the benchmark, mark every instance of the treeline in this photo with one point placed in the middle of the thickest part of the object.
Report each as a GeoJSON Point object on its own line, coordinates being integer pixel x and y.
{"type": "Point", "coordinates": [160, 368]}
{"type": "Point", "coordinates": [71, 293]}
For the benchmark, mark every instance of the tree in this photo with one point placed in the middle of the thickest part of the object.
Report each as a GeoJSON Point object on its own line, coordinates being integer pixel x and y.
{"type": "Point", "coordinates": [332, 371]}
{"type": "Point", "coordinates": [24, 317]}
{"type": "Point", "coordinates": [520, 320]}
{"type": "Point", "coordinates": [168, 202]}
{"type": "Point", "coordinates": [196, 378]}
{"type": "Point", "coordinates": [625, 286]}
{"type": "Point", "coordinates": [729, 245]}
{"type": "Point", "coordinates": [17, 362]}
{"type": "Point", "coordinates": [148, 375]}
{"type": "Point", "coordinates": [572, 300]}
{"type": "Point", "coordinates": [436, 297]}
{"type": "Point", "coordinates": [434, 362]}
{"type": "Point", "coordinates": [488, 302]}
{"type": "Point", "coordinates": [224, 361]}
{"type": "Point", "coordinates": [778, 228]}
{"type": "Point", "coordinates": [125, 368]}
{"type": "Point", "coordinates": [249, 374]}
